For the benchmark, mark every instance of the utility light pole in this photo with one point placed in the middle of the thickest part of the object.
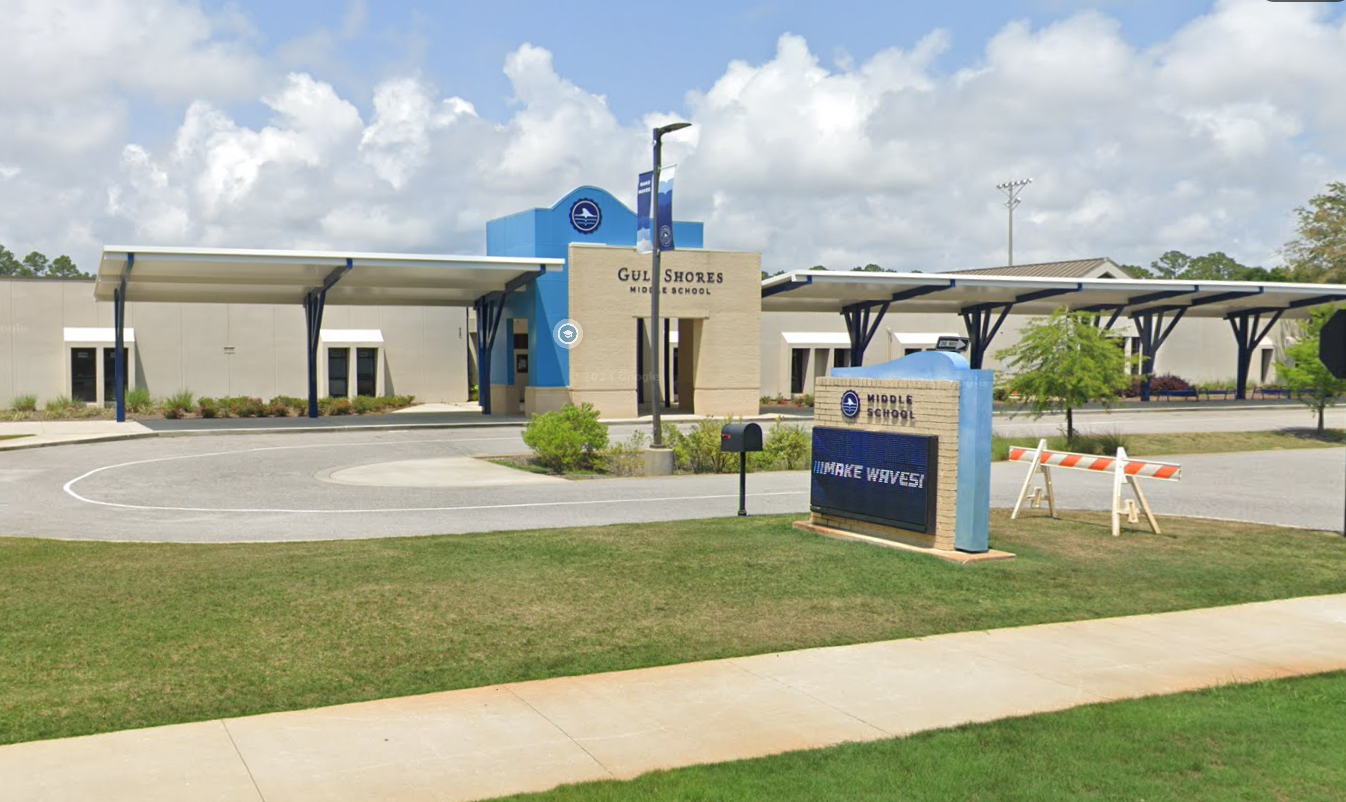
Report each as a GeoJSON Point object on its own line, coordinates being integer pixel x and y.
{"type": "Point", "coordinates": [655, 394]}
{"type": "Point", "coordinates": [1012, 190]}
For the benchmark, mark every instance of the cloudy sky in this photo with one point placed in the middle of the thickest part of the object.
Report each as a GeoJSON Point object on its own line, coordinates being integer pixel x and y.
{"type": "Point", "coordinates": [838, 133]}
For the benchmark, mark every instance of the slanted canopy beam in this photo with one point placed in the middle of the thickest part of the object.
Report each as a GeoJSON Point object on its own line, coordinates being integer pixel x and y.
{"type": "Point", "coordinates": [119, 322]}
{"type": "Point", "coordinates": [314, 303]}
{"type": "Point", "coordinates": [1152, 332]}
{"type": "Point", "coordinates": [861, 328]}
{"type": "Point", "coordinates": [981, 331]}
{"type": "Point", "coordinates": [1248, 333]}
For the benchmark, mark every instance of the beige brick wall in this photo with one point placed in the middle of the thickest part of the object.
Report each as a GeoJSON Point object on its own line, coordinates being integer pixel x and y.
{"type": "Point", "coordinates": [724, 347]}
{"type": "Point", "coordinates": [935, 409]}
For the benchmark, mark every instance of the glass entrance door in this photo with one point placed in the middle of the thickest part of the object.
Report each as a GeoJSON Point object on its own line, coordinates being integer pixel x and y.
{"type": "Point", "coordinates": [110, 374]}
{"type": "Point", "coordinates": [84, 374]}
{"type": "Point", "coordinates": [338, 372]}
{"type": "Point", "coordinates": [366, 371]}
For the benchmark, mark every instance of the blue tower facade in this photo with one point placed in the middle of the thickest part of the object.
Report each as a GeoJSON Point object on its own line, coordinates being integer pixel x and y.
{"type": "Point", "coordinates": [587, 215]}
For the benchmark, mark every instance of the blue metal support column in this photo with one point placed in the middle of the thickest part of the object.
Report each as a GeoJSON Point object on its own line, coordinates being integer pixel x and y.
{"type": "Point", "coordinates": [314, 303]}
{"type": "Point", "coordinates": [490, 308]}
{"type": "Point", "coordinates": [1248, 334]}
{"type": "Point", "coordinates": [119, 322]}
{"type": "Point", "coordinates": [1152, 331]}
{"type": "Point", "coordinates": [980, 330]}
{"type": "Point", "coordinates": [859, 327]}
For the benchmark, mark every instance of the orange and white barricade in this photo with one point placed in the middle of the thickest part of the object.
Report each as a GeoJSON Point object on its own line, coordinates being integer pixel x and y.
{"type": "Point", "coordinates": [1123, 469]}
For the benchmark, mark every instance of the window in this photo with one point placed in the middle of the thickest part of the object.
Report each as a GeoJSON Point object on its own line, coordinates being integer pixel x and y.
{"type": "Point", "coordinates": [366, 371]}
{"type": "Point", "coordinates": [110, 374]}
{"type": "Point", "coordinates": [84, 374]}
{"type": "Point", "coordinates": [799, 362]}
{"type": "Point", "coordinates": [1133, 344]}
{"type": "Point", "coordinates": [338, 372]}
{"type": "Point", "coordinates": [841, 357]}
{"type": "Point", "coordinates": [1267, 354]}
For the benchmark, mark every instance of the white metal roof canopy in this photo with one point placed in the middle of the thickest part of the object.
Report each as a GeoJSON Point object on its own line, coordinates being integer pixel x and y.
{"type": "Point", "coordinates": [206, 275]}
{"type": "Point", "coordinates": [310, 278]}
{"type": "Point", "coordinates": [833, 291]}
{"type": "Point", "coordinates": [984, 301]}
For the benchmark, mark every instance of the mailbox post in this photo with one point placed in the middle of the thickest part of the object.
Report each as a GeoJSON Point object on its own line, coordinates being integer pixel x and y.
{"type": "Point", "coordinates": [740, 438]}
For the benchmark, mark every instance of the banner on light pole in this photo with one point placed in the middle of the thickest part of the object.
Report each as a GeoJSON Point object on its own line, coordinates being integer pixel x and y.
{"type": "Point", "coordinates": [664, 223]}
{"type": "Point", "coordinates": [644, 240]}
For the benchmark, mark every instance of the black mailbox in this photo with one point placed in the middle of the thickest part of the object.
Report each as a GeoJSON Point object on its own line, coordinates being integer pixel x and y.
{"type": "Point", "coordinates": [740, 438]}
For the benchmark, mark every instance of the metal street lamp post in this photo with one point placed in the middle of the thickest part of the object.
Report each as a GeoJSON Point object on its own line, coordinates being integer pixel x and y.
{"type": "Point", "coordinates": [1012, 190]}
{"type": "Point", "coordinates": [653, 392]}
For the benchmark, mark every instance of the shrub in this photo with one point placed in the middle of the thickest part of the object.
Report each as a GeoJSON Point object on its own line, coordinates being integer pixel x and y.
{"type": "Point", "coordinates": [208, 407]}
{"type": "Point", "coordinates": [1168, 383]}
{"type": "Point", "coordinates": [178, 405]}
{"type": "Point", "coordinates": [788, 444]}
{"type": "Point", "coordinates": [138, 400]}
{"type": "Point", "coordinates": [25, 403]}
{"type": "Point", "coordinates": [61, 405]}
{"type": "Point", "coordinates": [806, 400]}
{"type": "Point", "coordinates": [1001, 393]}
{"type": "Point", "coordinates": [626, 458]}
{"type": "Point", "coordinates": [698, 450]}
{"type": "Point", "coordinates": [567, 439]}
{"type": "Point", "coordinates": [1101, 444]}
{"type": "Point", "coordinates": [364, 404]}
{"type": "Point", "coordinates": [298, 405]}
{"type": "Point", "coordinates": [472, 393]}
{"type": "Point", "coordinates": [336, 406]}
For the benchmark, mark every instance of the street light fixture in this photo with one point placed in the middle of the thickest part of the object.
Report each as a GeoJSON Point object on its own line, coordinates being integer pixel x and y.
{"type": "Point", "coordinates": [653, 391]}
{"type": "Point", "coordinates": [1012, 190]}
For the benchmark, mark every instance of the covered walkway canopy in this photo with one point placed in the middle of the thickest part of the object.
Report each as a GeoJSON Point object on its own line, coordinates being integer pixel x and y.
{"type": "Point", "coordinates": [984, 301]}
{"type": "Point", "coordinates": [314, 279]}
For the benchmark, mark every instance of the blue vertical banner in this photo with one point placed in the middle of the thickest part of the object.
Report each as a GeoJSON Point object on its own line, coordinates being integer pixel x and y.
{"type": "Point", "coordinates": [664, 211]}
{"type": "Point", "coordinates": [644, 242]}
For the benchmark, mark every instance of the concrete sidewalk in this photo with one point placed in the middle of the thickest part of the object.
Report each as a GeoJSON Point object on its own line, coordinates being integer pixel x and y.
{"type": "Point", "coordinates": [36, 434]}
{"type": "Point", "coordinates": [531, 736]}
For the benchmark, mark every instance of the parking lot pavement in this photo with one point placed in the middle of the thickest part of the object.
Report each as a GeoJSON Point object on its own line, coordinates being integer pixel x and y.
{"type": "Point", "coordinates": [271, 487]}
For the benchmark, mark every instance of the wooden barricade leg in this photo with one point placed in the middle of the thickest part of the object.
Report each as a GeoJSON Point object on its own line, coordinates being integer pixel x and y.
{"type": "Point", "coordinates": [1051, 491]}
{"type": "Point", "coordinates": [1144, 504]}
{"type": "Point", "coordinates": [1028, 480]}
{"type": "Point", "coordinates": [1118, 472]}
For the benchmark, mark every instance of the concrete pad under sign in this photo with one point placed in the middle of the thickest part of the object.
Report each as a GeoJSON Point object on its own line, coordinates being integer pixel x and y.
{"type": "Point", "coordinates": [440, 472]}
{"type": "Point", "coordinates": [951, 556]}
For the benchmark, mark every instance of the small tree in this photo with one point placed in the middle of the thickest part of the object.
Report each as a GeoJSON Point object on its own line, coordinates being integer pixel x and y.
{"type": "Point", "coordinates": [1303, 370]}
{"type": "Point", "coordinates": [1065, 361]}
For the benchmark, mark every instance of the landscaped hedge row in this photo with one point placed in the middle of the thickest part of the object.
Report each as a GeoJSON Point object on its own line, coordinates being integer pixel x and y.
{"type": "Point", "coordinates": [286, 405]}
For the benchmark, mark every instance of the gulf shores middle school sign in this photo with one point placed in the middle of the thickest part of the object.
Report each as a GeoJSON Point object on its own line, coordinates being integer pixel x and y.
{"type": "Point", "coordinates": [879, 477]}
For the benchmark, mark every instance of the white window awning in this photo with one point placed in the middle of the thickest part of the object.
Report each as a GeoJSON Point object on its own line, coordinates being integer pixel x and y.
{"type": "Point", "coordinates": [351, 335]}
{"type": "Point", "coordinates": [817, 339]}
{"type": "Point", "coordinates": [919, 339]}
{"type": "Point", "coordinates": [93, 336]}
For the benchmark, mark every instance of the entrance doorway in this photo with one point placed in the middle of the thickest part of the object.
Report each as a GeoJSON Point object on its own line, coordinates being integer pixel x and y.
{"type": "Point", "coordinates": [338, 372]}
{"type": "Point", "coordinates": [676, 364]}
{"type": "Point", "coordinates": [84, 375]}
{"type": "Point", "coordinates": [366, 371]}
{"type": "Point", "coordinates": [110, 374]}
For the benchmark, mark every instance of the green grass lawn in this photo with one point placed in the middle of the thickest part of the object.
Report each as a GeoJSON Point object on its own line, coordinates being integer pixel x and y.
{"type": "Point", "coordinates": [1274, 740]}
{"type": "Point", "coordinates": [108, 636]}
{"type": "Point", "coordinates": [1149, 445]}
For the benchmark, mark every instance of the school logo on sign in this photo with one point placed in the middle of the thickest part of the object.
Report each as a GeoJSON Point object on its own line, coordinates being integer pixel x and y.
{"type": "Point", "coordinates": [850, 404]}
{"type": "Point", "coordinates": [665, 236]}
{"type": "Point", "coordinates": [585, 216]}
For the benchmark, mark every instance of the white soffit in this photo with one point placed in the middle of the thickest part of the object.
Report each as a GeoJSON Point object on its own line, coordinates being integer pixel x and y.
{"type": "Point", "coordinates": [98, 335]}
{"type": "Point", "coordinates": [818, 339]}
{"type": "Point", "coordinates": [351, 335]}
